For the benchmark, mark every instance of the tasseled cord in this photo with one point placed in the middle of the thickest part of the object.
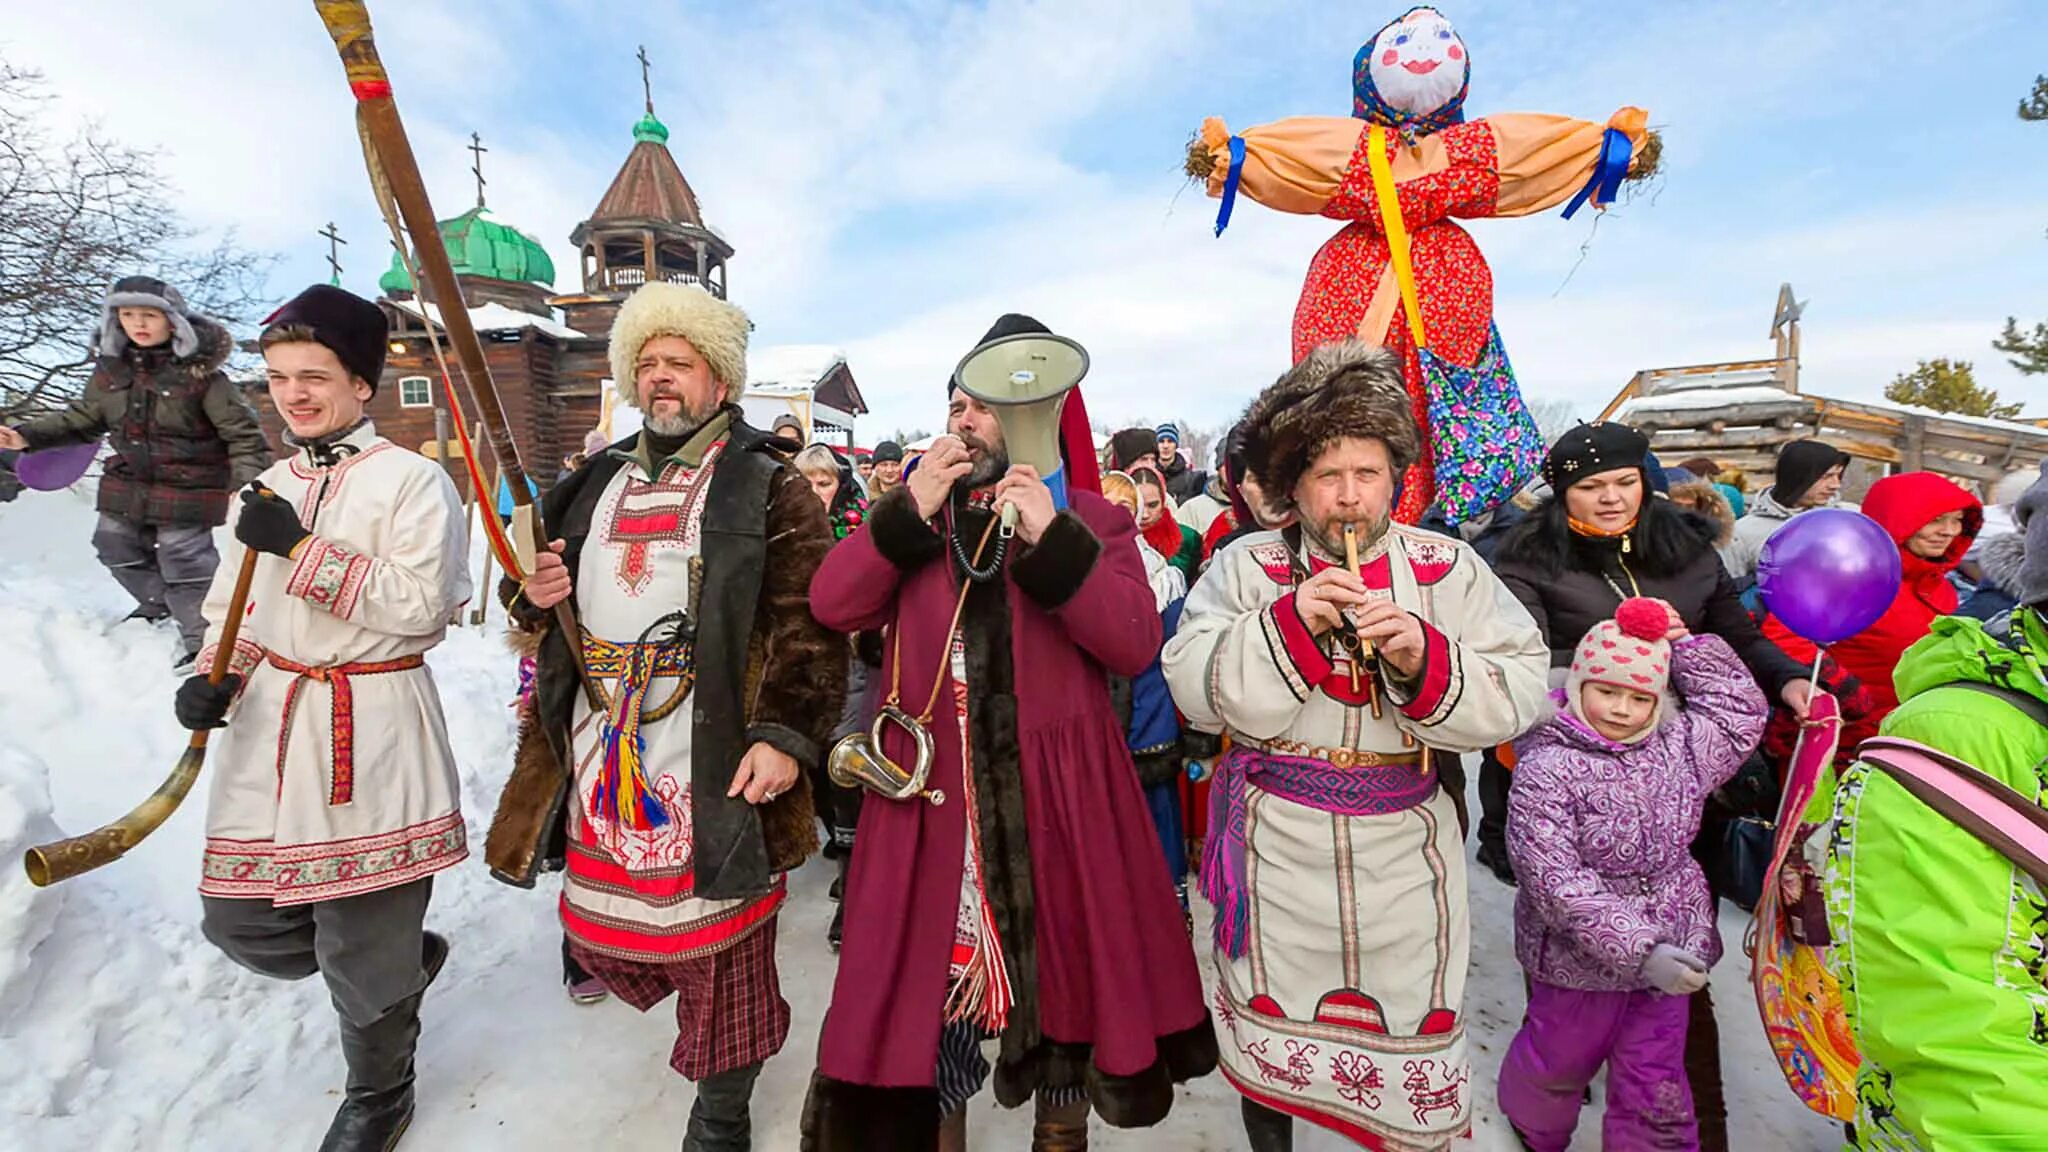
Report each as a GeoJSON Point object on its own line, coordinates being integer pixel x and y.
{"type": "Point", "coordinates": [622, 796]}
{"type": "Point", "coordinates": [982, 994]}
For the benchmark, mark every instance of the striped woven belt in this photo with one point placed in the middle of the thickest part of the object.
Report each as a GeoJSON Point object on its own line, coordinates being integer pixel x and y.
{"type": "Point", "coordinates": [609, 661]}
{"type": "Point", "coordinates": [342, 788]}
{"type": "Point", "coordinates": [1334, 757]}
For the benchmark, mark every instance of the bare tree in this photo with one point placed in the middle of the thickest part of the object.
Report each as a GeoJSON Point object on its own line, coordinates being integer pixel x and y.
{"type": "Point", "coordinates": [75, 215]}
{"type": "Point", "coordinates": [1553, 416]}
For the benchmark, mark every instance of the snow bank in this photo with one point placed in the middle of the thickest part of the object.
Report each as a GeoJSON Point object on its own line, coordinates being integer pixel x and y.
{"type": "Point", "coordinates": [123, 1029]}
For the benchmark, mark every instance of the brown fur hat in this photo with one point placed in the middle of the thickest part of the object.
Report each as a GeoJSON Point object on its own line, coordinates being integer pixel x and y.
{"type": "Point", "coordinates": [1341, 390]}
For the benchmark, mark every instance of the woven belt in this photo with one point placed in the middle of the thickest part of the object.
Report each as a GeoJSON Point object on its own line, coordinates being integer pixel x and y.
{"type": "Point", "coordinates": [609, 661]}
{"type": "Point", "coordinates": [1335, 757]}
{"type": "Point", "coordinates": [336, 676]}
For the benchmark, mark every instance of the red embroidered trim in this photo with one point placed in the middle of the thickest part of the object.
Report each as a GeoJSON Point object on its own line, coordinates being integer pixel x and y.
{"type": "Point", "coordinates": [329, 576]}
{"type": "Point", "coordinates": [341, 789]}
{"type": "Point", "coordinates": [1308, 657]}
{"type": "Point", "coordinates": [1436, 675]}
{"type": "Point", "coordinates": [612, 937]}
{"type": "Point", "coordinates": [661, 886]}
{"type": "Point", "coordinates": [247, 655]}
{"type": "Point", "coordinates": [304, 873]}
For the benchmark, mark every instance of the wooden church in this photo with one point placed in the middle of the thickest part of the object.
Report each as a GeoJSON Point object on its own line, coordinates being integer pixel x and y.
{"type": "Point", "coordinates": [546, 351]}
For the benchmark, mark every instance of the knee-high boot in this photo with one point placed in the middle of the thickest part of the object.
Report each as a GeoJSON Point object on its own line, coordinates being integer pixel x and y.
{"type": "Point", "coordinates": [1061, 1129]}
{"type": "Point", "coordinates": [1267, 1130]}
{"type": "Point", "coordinates": [721, 1120]}
{"type": "Point", "coordinates": [379, 1104]}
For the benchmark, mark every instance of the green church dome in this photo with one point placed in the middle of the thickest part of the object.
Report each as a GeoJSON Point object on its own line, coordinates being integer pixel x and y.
{"type": "Point", "coordinates": [650, 131]}
{"type": "Point", "coordinates": [480, 247]}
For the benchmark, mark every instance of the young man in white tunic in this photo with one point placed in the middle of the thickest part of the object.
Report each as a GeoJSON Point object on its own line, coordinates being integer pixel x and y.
{"type": "Point", "coordinates": [1334, 854]}
{"type": "Point", "coordinates": [334, 795]}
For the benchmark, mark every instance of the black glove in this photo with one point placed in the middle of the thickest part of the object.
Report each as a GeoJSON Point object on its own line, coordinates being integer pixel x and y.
{"type": "Point", "coordinates": [268, 522]}
{"type": "Point", "coordinates": [203, 704]}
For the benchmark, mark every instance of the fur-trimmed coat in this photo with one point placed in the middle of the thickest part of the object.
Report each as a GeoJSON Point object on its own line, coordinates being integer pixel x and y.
{"type": "Point", "coordinates": [183, 435]}
{"type": "Point", "coordinates": [767, 672]}
{"type": "Point", "coordinates": [1093, 939]}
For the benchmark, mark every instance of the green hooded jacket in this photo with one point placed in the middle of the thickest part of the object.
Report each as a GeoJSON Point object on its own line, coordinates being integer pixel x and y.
{"type": "Point", "coordinates": [1941, 943]}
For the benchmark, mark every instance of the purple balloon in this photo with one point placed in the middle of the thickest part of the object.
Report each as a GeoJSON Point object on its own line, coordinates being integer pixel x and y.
{"type": "Point", "coordinates": [55, 468]}
{"type": "Point", "coordinates": [1829, 574]}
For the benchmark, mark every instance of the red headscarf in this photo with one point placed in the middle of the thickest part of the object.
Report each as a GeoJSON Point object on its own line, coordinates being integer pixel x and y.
{"type": "Point", "coordinates": [1902, 505]}
{"type": "Point", "coordinates": [1164, 533]}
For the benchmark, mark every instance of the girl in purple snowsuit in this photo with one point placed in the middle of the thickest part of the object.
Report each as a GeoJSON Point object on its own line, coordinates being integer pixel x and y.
{"type": "Point", "coordinates": [1613, 922]}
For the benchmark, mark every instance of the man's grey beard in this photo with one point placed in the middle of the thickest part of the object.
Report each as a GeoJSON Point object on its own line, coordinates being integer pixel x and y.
{"type": "Point", "coordinates": [987, 471]}
{"type": "Point", "coordinates": [988, 467]}
{"type": "Point", "coordinates": [682, 423]}
{"type": "Point", "coordinates": [1369, 533]}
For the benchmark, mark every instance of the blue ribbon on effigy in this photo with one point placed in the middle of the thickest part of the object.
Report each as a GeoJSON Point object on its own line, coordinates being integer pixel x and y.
{"type": "Point", "coordinates": [1230, 183]}
{"type": "Point", "coordinates": [1608, 171]}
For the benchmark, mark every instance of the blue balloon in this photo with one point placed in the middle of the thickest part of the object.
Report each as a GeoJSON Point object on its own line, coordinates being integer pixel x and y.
{"type": "Point", "coordinates": [1829, 574]}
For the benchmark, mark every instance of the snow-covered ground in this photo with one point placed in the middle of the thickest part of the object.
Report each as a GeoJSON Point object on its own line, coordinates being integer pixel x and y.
{"type": "Point", "coordinates": [122, 1029]}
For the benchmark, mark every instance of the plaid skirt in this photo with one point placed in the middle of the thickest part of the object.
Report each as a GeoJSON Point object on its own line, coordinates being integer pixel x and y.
{"type": "Point", "coordinates": [729, 1007]}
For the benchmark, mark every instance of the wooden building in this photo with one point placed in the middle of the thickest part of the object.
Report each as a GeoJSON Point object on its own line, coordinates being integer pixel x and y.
{"type": "Point", "coordinates": [1740, 413]}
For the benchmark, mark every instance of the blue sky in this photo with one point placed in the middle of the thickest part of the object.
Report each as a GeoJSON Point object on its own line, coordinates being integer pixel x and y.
{"type": "Point", "coordinates": [894, 175]}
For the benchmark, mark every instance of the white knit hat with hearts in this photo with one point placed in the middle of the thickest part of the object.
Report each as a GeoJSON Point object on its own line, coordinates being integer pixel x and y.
{"type": "Point", "coordinates": [1628, 651]}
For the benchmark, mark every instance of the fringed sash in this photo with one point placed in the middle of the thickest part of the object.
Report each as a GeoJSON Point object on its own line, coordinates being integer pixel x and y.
{"type": "Point", "coordinates": [980, 989]}
{"type": "Point", "coordinates": [1357, 791]}
{"type": "Point", "coordinates": [623, 795]}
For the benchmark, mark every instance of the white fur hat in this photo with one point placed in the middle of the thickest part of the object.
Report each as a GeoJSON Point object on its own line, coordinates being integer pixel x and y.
{"type": "Point", "coordinates": [716, 329]}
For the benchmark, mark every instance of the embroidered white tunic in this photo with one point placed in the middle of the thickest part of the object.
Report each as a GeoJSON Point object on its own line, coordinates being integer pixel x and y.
{"type": "Point", "coordinates": [1345, 1007]}
{"type": "Point", "coordinates": [334, 777]}
{"type": "Point", "coordinates": [628, 892]}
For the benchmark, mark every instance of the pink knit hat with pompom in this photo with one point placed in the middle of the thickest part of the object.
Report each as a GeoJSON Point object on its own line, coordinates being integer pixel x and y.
{"type": "Point", "coordinates": [1628, 651]}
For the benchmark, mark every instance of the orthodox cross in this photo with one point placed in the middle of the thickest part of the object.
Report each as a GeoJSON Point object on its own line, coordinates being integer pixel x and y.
{"type": "Point", "coordinates": [334, 242]}
{"type": "Point", "coordinates": [477, 150]}
{"type": "Point", "coordinates": [646, 80]}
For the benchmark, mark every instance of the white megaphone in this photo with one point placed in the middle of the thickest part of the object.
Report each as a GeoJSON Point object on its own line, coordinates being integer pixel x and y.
{"type": "Point", "coordinates": [1024, 379]}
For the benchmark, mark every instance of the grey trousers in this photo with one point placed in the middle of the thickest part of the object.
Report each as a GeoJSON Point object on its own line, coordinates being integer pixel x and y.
{"type": "Point", "coordinates": [368, 947]}
{"type": "Point", "coordinates": [162, 567]}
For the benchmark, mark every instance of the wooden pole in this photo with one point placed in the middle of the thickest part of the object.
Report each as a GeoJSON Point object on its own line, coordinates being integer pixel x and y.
{"type": "Point", "coordinates": [395, 172]}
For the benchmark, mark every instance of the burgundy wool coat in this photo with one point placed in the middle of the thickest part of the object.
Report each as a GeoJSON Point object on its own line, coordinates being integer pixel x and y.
{"type": "Point", "coordinates": [1108, 995]}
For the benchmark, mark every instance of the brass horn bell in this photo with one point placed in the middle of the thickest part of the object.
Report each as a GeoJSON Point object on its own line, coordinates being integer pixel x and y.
{"type": "Point", "coordinates": [858, 762]}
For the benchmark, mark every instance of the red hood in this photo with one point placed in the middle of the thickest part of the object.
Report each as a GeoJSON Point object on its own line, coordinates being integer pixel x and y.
{"type": "Point", "coordinates": [1904, 504]}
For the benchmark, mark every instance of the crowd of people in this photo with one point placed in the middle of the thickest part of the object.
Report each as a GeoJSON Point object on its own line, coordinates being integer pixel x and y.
{"type": "Point", "coordinates": [1026, 721]}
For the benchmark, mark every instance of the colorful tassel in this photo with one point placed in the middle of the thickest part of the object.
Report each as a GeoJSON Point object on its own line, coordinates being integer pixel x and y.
{"type": "Point", "coordinates": [622, 796]}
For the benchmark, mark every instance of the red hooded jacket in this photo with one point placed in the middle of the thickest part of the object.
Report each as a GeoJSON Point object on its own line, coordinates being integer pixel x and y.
{"type": "Point", "coordinates": [1901, 505]}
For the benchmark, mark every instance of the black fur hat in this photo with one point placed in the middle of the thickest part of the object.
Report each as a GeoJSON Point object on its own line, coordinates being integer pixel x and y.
{"type": "Point", "coordinates": [354, 328]}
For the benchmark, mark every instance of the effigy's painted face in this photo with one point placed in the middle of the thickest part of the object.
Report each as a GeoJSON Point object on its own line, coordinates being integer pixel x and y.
{"type": "Point", "coordinates": [1418, 63]}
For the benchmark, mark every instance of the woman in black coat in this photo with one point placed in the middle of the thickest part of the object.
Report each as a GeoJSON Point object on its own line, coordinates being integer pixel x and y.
{"type": "Point", "coordinates": [1599, 539]}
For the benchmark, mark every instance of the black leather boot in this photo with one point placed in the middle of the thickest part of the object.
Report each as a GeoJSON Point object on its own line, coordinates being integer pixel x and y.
{"type": "Point", "coordinates": [720, 1120]}
{"type": "Point", "coordinates": [1267, 1130]}
{"type": "Point", "coordinates": [379, 1104]}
